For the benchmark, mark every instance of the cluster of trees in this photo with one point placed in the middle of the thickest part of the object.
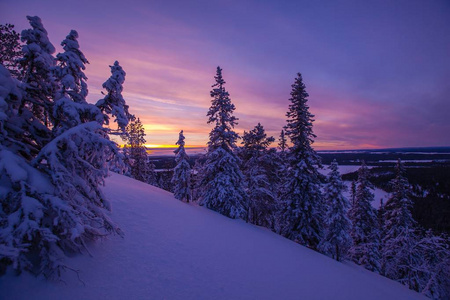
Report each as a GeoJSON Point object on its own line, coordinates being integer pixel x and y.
{"type": "Point", "coordinates": [55, 150]}
{"type": "Point", "coordinates": [284, 191]}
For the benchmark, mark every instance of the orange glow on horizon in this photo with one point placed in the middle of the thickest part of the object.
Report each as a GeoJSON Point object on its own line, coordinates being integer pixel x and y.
{"type": "Point", "coordinates": [153, 146]}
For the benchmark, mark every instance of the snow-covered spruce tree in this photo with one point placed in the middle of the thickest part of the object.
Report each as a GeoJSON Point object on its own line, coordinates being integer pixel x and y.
{"type": "Point", "coordinates": [113, 103]}
{"type": "Point", "coordinates": [400, 259]}
{"type": "Point", "coordinates": [51, 202]}
{"type": "Point", "coordinates": [29, 124]}
{"type": "Point", "coordinates": [259, 176]}
{"type": "Point", "coordinates": [70, 106]}
{"type": "Point", "coordinates": [37, 64]}
{"type": "Point", "coordinates": [302, 198]}
{"type": "Point", "coordinates": [181, 179]}
{"type": "Point", "coordinates": [337, 233]}
{"type": "Point", "coordinates": [136, 154]}
{"type": "Point", "coordinates": [10, 49]}
{"type": "Point", "coordinates": [435, 269]}
{"type": "Point", "coordinates": [221, 183]}
{"type": "Point", "coordinates": [196, 177]}
{"type": "Point", "coordinates": [365, 232]}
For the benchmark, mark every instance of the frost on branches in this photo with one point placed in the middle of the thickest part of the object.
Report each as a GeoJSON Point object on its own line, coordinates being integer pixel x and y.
{"type": "Point", "coordinates": [399, 233]}
{"type": "Point", "coordinates": [302, 198]}
{"type": "Point", "coordinates": [221, 183]}
{"type": "Point", "coordinates": [113, 103]}
{"type": "Point", "coordinates": [181, 179]}
{"type": "Point", "coordinates": [419, 261]}
{"type": "Point", "coordinates": [337, 238]}
{"type": "Point", "coordinates": [39, 84]}
{"type": "Point", "coordinates": [70, 108]}
{"type": "Point", "coordinates": [365, 233]}
{"type": "Point", "coordinates": [259, 176]}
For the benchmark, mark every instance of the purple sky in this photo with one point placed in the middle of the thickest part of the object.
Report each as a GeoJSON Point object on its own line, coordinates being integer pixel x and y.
{"type": "Point", "coordinates": [377, 72]}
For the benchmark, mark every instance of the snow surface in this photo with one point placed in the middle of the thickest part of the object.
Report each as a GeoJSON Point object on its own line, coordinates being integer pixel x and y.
{"type": "Point", "coordinates": [172, 250]}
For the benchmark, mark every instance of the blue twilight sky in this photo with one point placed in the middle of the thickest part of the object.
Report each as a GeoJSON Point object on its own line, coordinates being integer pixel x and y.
{"type": "Point", "coordinates": [378, 72]}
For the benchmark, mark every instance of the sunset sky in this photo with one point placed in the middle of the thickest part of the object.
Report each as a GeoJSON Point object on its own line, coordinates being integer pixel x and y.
{"type": "Point", "coordinates": [377, 72]}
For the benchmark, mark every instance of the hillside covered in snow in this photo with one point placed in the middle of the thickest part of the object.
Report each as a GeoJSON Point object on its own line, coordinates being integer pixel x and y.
{"type": "Point", "coordinates": [172, 250]}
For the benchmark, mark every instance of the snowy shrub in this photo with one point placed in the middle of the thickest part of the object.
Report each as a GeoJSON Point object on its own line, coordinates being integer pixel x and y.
{"type": "Point", "coordinates": [182, 173]}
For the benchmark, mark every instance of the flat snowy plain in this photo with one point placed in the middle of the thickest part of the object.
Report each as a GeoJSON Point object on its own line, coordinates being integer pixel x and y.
{"type": "Point", "coordinates": [172, 250]}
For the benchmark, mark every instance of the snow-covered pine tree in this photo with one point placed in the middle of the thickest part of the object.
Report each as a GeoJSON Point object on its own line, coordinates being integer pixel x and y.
{"type": "Point", "coordinates": [282, 167]}
{"type": "Point", "coordinates": [35, 109]}
{"type": "Point", "coordinates": [113, 103]}
{"type": "Point", "coordinates": [70, 107]}
{"type": "Point", "coordinates": [337, 233]}
{"type": "Point", "coordinates": [435, 269]}
{"type": "Point", "coordinates": [181, 179]}
{"type": "Point", "coordinates": [365, 232]}
{"type": "Point", "coordinates": [221, 183]}
{"type": "Point", "coordinates": [51, 201]}
{"type": "Point", "coordinates": [136, 154]}
{"type": "Point", "coordinates": [400, 260]}
{"type": "Point", "coordinates": [51, 204]}
{"type": "Point", "coordinates": [260, 176]}
{"type": "Point", "coordinates": [10, 49]}
{"type": "Point", "coordinates": [37, 64]}
{"type": "Point", "coordinates": [302, 198]}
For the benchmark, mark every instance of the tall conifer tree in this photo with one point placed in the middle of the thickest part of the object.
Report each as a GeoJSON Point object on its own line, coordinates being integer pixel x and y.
{"type": "Point", "coordinates": [70, 106]}
{"type": "Point", "coordinates": [113, 103]}
{"type": "Point", "coordinates": [259, 171]}
{"type": "Point", "coordinates": [365, 231]}
{"type": "Point", "coordinates": [302, 198]}
{"type": "Point", "coordinates": [140, 168]}
{"type": "Point", "coordinates": [221, 181]}
{"type": "Point", "coordinates": [337, 234]}
{"type": "Point", "coordinates": [181, 179]}
{"type": "Point", "coordinates": [400, 259]}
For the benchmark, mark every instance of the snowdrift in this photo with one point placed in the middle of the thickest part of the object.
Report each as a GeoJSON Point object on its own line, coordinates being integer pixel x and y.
{"type": "Point", "coordinates": [172, 250]}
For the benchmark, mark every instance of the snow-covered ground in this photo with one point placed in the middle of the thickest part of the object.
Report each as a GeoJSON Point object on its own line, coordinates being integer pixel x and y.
{"type": "Point", "coordinates": [172, 250]}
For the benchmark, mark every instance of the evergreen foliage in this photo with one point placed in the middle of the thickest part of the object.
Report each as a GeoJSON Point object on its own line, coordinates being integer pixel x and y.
{"type": "Point", "coordinates": [365, 232]}
{"type": "Point", "coordinates": [302, 198]}
{"type": "Point", "coordinates": [52, 163]}
{"type": "Point", "coordinates": [399, 232]}
{"type": "Point", "coordinates": [434, 271]}
{"type": "Point", "coordinates": [181, 179]}
{"type": "Point", "coordinates": [113, 103]}
{"type": "Point", "coordinates": [221, 183]}
{"type": "Point", "coordinates": [70, 107]}
{"type": "Point", "coordinates": [337, 234]}
{"type": "Point", "coordinates": [10, 49]}
{"type": "Point", "coordinates": [38, 63]}
{"type": "Point", "coordinates": [260, 175]}
{"type": "Point", "coordinates": [136, 154]}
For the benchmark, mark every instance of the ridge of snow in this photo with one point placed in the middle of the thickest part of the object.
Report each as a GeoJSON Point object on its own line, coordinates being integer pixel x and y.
{"type": "Point", "coordinates": [172, 250]}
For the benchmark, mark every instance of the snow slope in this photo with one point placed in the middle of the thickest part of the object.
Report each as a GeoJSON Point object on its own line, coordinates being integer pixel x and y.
{"type": "Point", "coordinates": [172, 250]}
